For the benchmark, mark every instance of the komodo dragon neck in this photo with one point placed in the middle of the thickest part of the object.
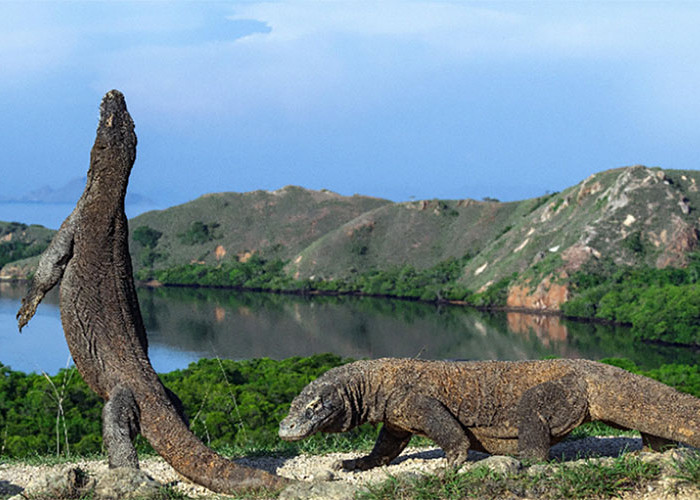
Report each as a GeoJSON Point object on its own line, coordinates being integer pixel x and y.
{"type": "Point", "coordinates": [364, 396]}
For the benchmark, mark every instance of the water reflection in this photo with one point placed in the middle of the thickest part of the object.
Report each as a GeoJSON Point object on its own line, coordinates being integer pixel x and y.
{"type": "Point", "coordinates": [547, 328]}
{"type": "Point", "coordinates": [244, 325]}
{"type": "Point", "coordinates": [185, 324]}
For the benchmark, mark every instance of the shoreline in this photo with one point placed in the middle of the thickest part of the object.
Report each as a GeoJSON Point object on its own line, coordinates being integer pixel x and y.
{"type": "Point", "coordinates": [154, 284]}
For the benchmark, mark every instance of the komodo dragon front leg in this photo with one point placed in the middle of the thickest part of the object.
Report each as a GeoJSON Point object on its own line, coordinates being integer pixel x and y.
{"type": "Point", "coordinates": [417, 414]}
{"type": "Point", "coordinates": [390, 443]}
{"type": "Point", "coordinates": [50, 270]}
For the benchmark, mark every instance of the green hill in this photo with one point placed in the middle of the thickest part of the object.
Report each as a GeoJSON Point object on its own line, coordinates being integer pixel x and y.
{"type": "Point", "coordinates": [632, 216]}
{"type": "Point", "coordinates": [420, 234]}
{"type": "Point", "coordinates": [635, 216]}
{"type": "Point", "coordinates": [226, 227]}
{"type": "Point", "coordinates": [19, 246]}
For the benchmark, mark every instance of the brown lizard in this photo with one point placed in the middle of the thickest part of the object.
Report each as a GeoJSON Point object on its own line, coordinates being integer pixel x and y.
{"type": "Point", "coordinates": [103, 325]}
{"type": "Point", "coordinates": [498, 407]}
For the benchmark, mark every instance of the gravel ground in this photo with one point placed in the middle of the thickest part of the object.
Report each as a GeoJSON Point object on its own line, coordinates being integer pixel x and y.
{"type": "Point", "coordinates": [312, 468]}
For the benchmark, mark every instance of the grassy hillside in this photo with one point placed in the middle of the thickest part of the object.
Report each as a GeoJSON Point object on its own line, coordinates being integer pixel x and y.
{"type": "Point", "coordinates": [20, 242]}
{"type": "Point", "coordinates": [225, 227]}
{"type": "Point", "coordinates": [633, 216]}
{"type": "Point", "coordinates": [420, 234]}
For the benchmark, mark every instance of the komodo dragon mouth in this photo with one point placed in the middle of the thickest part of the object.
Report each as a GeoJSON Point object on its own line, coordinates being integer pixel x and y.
{"type": "Point", "coordinates": [314, 417]}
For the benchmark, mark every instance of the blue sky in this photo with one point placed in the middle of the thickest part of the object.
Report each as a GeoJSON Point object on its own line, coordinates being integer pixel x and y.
{"type": "Point", "coordinates": [394, 99]}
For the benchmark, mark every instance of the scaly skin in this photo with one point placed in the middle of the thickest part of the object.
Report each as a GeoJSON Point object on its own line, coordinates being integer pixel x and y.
{"type": "Point", "coordinates": [103, 325]}
{"type": "Point", "coordinates": [499, 407]}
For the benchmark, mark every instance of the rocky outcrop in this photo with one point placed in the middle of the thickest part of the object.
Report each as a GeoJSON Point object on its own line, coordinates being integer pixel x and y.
{"type": "Point", "coordinates": [682, 240]}
{"type": "Point", "coordinates": [113, 484]}
{"type": "Point", "coordinates": [547, 295]}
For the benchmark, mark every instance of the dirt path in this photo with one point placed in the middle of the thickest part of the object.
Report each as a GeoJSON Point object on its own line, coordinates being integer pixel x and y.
{"type": "Point", "coordinates": [314, 468]}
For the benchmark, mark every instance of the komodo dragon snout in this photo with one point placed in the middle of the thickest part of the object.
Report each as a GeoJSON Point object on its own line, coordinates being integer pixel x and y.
{"type": "Point", "coordinates": [322, 408]}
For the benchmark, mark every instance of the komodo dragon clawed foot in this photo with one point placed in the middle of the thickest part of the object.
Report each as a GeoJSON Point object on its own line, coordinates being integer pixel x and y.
{"type": "Point", "coordinates": [390, 443]}
{"type": "Point", "coordinates": [29, 305]}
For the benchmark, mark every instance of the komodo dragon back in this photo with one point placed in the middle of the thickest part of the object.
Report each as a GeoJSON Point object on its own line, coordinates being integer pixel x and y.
{"type": "Point", "coordinates": [103, 325]}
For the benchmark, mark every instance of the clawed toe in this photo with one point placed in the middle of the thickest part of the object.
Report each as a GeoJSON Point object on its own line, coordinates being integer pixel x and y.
{"type": "Point", "coordinates": [457, 460]}
{"type": "Point", "coordinates": [357, 464]}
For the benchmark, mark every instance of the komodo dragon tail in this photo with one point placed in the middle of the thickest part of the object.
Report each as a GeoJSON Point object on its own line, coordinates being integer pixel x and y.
{"type": "Point", "coordinates": [172, 439]}
{"type": "Point", "coordinates": [640, 403]}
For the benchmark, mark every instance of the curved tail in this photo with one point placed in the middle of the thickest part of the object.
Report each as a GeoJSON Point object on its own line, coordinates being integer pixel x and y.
{"type": "Point", "coordinates": [640, 403]}
{"type": "Point", "coordinates": [172, 439]}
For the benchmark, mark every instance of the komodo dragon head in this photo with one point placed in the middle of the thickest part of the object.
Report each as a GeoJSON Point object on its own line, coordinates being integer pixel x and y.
{"type": "Point", "coordinates": [321, 406]}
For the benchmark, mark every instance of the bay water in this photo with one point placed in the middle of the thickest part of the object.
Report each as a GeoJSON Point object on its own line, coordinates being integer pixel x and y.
{"type": "Point", "coordinates": [186, 324]}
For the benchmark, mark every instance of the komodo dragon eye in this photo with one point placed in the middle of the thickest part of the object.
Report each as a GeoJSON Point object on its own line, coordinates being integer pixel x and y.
{"type": "Point", "coordinates": [313, 407]}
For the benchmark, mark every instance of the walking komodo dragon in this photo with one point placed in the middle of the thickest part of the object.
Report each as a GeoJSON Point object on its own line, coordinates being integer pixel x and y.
{"type": "Point", "coordinates": [499, 407]}
{"type": "Point", "coordinates": [103, 325]}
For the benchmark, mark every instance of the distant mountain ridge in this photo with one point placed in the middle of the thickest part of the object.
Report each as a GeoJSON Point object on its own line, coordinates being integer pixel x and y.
{"type": "Point", "coordinates": [67, 193]}
{"type": "Point", "coordinates": [632, 215]}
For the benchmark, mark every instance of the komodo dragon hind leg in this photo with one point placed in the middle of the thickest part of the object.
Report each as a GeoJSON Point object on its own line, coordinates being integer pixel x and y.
{"type": "Point", "coordinates": [556, 406]}
{"type": "Point", "coordinates": [120, 425]}
{"type": "Point", "coordinates": [390, 443]}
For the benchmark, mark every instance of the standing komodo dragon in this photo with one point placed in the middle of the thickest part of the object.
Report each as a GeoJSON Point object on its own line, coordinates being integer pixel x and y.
{"type": "Point", "coordinates": [103, 325]}
{"type": "Point", "coordinates": [499, 407]}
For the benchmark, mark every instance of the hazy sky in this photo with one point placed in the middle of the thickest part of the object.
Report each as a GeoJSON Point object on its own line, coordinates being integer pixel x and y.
{"type": "Point", "coordinates": [393, 99]}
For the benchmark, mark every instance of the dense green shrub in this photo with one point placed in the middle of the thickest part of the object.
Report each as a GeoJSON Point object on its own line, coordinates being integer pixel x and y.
{"type": "Point", "coordinates": [496, 295]}
{"type": "Point", "coordinates": [198, 233]}
{"type": "Point", "coordinates": [242, 402]}
{"type": "Point", "coordinates": [16, 250]}
{"type": "Point", "coordinates": [147, 236]}
{"type": "Point", "coordinates": [436, 283]}
{"type": "Point", "coordinates": [30, 407]}
{"type": "Point", "coordinates": [230, 403]}
{"type": "Point", "coordinates": [660, 304]}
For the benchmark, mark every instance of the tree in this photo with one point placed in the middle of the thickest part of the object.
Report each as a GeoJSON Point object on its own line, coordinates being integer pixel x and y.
{"type": "Point", "coordinates": [147, 236]}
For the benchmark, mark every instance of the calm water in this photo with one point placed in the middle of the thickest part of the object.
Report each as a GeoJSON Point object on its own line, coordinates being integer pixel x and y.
{"type": "Point", "coordinates": [186, 324]}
